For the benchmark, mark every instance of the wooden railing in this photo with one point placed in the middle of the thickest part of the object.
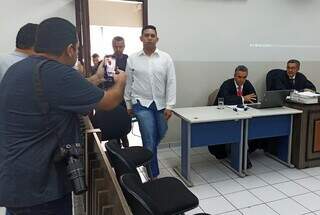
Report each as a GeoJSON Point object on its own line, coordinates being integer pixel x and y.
{"type": "Point", "coordinates": [104, 196]}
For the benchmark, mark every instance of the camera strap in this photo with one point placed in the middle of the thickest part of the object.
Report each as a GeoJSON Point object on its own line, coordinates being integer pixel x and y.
{"type": "Point", "coordinates": [40, 97]}
{"type": "Point", "coordinates": [38, 88]}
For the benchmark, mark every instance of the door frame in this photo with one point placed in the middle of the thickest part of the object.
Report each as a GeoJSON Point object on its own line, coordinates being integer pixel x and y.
{"type": "Point", "coordinates": [83, 30]}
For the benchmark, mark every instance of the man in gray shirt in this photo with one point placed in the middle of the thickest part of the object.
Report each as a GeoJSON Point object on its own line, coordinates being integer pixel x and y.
{"type": "Point", "coordinates": [24, 47]}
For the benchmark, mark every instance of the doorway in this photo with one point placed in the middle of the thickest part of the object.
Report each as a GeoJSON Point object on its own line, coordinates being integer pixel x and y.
{"type": "Point", "coordinates": [98, 21]}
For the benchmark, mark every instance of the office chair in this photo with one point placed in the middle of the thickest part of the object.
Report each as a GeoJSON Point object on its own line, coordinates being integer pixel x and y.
{"type": "Point", "coordinates": [212, 97]}
{"type": "Point", "coordinates": [272, 77]}
{"type": "Point", "coordinates": [114, 124]}
{"type": "Point", "coordinates": [139, 156]}
{"type": "Point", "coordinates": [163, 196]}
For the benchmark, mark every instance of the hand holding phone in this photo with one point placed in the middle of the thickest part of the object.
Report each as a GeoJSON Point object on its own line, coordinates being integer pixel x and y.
{"type": "Point", "coordinates": [109, 67]}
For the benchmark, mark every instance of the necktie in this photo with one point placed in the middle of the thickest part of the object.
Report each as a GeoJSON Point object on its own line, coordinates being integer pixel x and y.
{"type": "Point", "coordinates": [239, 91]}
{"type": "Point", "coordinates": [292, 83]}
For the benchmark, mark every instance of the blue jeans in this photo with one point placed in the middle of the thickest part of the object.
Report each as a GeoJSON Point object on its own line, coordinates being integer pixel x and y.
{"type": "Point", "coordinates": [61, 206]}
{"type": "Point", "coordinates": [153, 127]}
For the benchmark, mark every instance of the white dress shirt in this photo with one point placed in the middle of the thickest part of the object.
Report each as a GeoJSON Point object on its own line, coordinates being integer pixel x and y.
{"type": "Point", "coordinates": [151, 78]}
{"type": "Point", "coordinates": [7, 60]}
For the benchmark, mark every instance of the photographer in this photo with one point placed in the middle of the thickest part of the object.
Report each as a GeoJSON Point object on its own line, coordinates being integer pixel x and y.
{"type": "Point", "coordinates": [32, 182]}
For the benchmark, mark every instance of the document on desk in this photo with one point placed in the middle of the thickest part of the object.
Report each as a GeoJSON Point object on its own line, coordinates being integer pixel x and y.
{"type": "Point", "coordinates": [304, 97]}
{"type": "Point", "coordinates": [235, 108]}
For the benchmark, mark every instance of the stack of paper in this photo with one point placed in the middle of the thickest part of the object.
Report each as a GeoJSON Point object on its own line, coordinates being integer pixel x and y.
{"type": "Point", "coordinates": [304, 97]}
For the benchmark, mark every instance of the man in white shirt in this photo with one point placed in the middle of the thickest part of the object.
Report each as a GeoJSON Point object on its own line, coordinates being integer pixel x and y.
{"type": "Point", "coordinates": [24, 47]}
{"type": "Point", "coordinates": [150, 92]}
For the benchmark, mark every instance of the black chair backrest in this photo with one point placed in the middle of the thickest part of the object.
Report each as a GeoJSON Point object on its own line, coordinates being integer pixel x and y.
{"type": "Point", "coordinates": [271, 78]}
{"type": "Point", "coordinates": [139, 202]}
{"type": "Point", "coordinates": [113, 124]}
{"type": "Point", "coordinates": [120, 163]}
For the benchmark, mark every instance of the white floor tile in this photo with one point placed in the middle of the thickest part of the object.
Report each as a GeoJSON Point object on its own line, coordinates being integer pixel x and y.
{"type": "Point", "coordinates": [287, 207]}
{"type": "Point", "coordinates": [271, 163]}
{"type": "Point", "coordinates": [317, 177]}
{"type": "Point", "coordinates": [310, 183]}
{"type": "Point", "coordinates": [195, 178]}
{"type": "Point", "coordinates": [258, 168]}
{"type": "Point", "coordinates": [167, 154]}
{"type": "Point", "coordinates": [204, 191]}
{"type": "Point", "coordinates": [227, 171]}
{"type": "Point", "coordinates": [199, 158]}
{"type": "Point", "coordinates": [318, 193]}
{"type": "Point", "coordinates": [293, 174]}
{"type": "Point", "coordinates": [312, 171]}
{"type": "Point", "coordinates": [214, 175]}
{"type": "Point", "coordinates": [194, 211]}
{"type": "Point", "coordinates": [268, 194]}
{"type": "Point", "coordinates": [161, 166]}
{"type": "Point", "coordinates": [164, 148]}
{"type": "Point", "coordinates": [250, 182]}
{"type": "Point", "coordinates": [232, 213]}
{"type": "Point", "coordinates": [216, 205]}
{"type": "Point", "coordinates": [164, 173]}
{"type": "Point", "coordinates": [310, 201]}
{"type": "Point", "coordinates": [290, 188]}
{"type": "Point", "coordinates": [243, 199]}
{"type": "Point", "coordinates": [228, 186]}
{"type": "Point", "coordinates": [273, 177]}
{"type": "Point", "coordinates": [201, 150]}
{"type": "Point", "coordinates": [258, 210]}
{"type": "Point", "coordinates": [170, 162]}
{"type": "Point", "coordinates": [203, 167]}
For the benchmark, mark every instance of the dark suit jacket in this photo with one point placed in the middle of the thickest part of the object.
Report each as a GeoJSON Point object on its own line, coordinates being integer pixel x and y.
{"type": "Point", "coordinates": [282, 82]}
{"type": "Point", "coordinates": [228, 91]}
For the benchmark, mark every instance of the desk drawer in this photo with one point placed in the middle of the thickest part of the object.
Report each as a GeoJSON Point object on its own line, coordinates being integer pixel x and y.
{"type": "Point", "coordinates": [203, 134]}
{"type": "Point", "coordinates": [270, 126]}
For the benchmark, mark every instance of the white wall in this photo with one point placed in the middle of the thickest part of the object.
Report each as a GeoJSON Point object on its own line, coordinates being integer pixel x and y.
{"type": "Point", "coordinates": [16, 13]}
{"type": "Point", "coordinates": [209, 38]}
{"type": "Point", "coordinates": [222, 30]}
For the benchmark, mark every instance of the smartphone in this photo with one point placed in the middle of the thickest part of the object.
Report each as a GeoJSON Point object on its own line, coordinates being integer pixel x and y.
{"type": "Point", "coordinates": [109, 68]}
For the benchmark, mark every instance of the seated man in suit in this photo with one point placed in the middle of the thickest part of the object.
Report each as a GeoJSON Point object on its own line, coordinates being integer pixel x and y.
{"type": "Point", "coordinates": [235, 91]}
{"type": "Point", "coordinates": [292, 79]}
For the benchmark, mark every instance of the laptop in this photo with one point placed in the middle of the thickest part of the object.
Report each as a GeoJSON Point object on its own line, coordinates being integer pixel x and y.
{"type": "Point", "coordinates": [271, 99]}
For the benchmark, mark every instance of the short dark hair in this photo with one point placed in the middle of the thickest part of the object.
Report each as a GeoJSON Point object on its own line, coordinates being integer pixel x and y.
{"type": "Point", "coordinates": [95, 55]}
{"type": "Point", "coordinates": [148, 27]}
{"type": "Point", "coordinates": [241, 68]}
{"type": "Point", "coordinates": [26, 36]}
{"type": "Point", "coordinates": [117, 38]}
{"type": "Point", "coordinates": [294, 61]}
{"type": "Point", "coordinates": [54, 35]}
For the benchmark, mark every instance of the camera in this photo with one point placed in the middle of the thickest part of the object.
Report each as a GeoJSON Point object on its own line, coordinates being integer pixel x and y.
{"type": "Point", "coordinates": [72, 154]}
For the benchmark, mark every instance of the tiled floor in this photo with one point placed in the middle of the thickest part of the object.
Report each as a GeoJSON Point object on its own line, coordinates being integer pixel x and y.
{"type": "Point", "coordinates": [271, 188]}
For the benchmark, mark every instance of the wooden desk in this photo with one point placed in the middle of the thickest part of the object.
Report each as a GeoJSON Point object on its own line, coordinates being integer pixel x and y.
{"type": "Point", "coordinates": [306, 135]}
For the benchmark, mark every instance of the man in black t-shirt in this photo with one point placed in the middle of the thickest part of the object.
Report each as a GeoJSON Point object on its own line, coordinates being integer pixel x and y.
{"type": "Point", "coordinates": [118, 46]}
{"type": "Point", "coordinates": [31, 182]}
